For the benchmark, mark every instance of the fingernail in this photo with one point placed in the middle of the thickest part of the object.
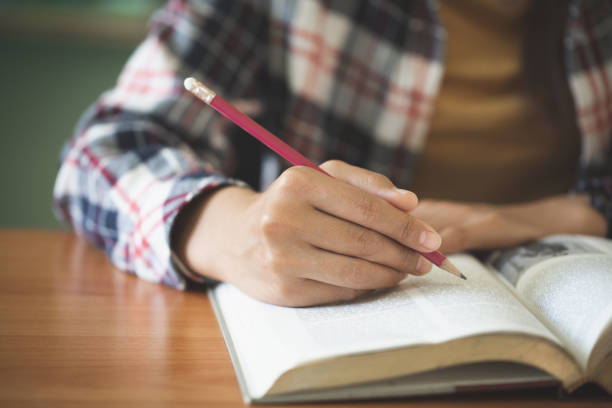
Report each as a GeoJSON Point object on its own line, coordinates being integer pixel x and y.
{"type": "Point", "coordinates": [430, 240]}
{"type": "Point", "coordinates": [402, 191]}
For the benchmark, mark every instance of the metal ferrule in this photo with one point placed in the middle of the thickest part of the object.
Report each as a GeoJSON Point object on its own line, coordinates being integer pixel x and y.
{"type": "Point", "coordinates": [199, 89]}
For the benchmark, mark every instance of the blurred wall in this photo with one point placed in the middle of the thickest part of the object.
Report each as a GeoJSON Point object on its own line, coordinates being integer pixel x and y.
{"type": "Point", "coordinates": [55, 59]}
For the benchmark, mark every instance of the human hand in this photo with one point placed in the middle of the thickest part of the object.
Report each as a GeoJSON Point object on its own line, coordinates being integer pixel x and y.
{"type": "Point", "coordinates": [309, 238]}
{"type": "Point", "coordinates": [468, 226]}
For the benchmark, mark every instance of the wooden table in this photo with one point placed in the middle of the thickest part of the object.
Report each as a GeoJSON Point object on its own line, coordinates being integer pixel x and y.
{"type": "Point", "coordinates": [76, 332]}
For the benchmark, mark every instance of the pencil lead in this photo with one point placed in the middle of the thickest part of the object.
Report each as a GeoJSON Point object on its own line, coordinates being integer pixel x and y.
{"type": "Point", "coordinates": [448, 266]}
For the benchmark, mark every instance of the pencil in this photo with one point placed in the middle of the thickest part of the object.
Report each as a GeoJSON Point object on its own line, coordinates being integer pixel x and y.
{"type": "Point", "coordinates": [284, 150]}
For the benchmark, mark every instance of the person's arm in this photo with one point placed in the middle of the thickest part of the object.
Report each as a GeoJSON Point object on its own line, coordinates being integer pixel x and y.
{"type": "Point", "coordinates": [147, 152]}
{"type": "Point", "coordinates": [475, 226]}
{"type": "Point", "coordinates": [147, 147]}
{"type": "Point", "coordinates": [595, 184]}
{"type": "Point", "coordinates": [587, 209]}
{"type": "Point", "coordinates": [309, 238]}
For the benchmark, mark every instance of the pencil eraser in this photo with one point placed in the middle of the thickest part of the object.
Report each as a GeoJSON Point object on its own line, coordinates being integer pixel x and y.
{"type": "Point", "coordinates": [189, 83]}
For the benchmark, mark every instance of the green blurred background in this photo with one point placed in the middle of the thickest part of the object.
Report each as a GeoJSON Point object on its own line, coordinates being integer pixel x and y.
{"type": "Point", "coordinates": [56, 57]}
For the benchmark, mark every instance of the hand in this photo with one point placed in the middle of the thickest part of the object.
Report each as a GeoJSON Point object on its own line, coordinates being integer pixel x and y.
{"type": "Point", "coordinates": [309, 238]}
{"type": "Point", "coordinates": [468, 226]}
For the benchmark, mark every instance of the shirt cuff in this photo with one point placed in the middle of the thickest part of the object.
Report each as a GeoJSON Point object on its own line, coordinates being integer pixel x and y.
{"type": "Point", "coordinates": [190, 275]}
{"type": "Point", "coordinates": [599, 190]}
{"type": "Point", "coordinates": [177, 267]}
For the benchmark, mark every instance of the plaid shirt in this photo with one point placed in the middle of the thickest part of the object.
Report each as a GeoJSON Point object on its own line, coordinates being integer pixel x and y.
{"type": "Point", "coordinates": [352, 80]}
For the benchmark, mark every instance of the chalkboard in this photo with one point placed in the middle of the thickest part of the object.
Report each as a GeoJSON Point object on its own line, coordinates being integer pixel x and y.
{"type": "Point", "coordinates": [132, 8]}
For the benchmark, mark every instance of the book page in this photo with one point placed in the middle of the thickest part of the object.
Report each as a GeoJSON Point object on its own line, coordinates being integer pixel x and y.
{"type": "Point", "coordinates": [566, 281]}
{"type": "Point", "coordinates": [468, 377]}
{"type": "Point", "coordinates": [421, 310]}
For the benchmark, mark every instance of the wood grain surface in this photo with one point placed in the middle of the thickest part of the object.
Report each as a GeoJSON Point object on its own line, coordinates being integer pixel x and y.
{"type": "Point", "coordinates": [76, 332]}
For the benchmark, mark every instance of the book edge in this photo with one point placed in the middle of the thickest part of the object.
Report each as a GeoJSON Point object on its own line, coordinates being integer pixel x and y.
{"type": "Point", "coordinates": [227, 338]}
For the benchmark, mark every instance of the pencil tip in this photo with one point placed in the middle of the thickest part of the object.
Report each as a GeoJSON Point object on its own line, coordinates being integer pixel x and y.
{"type": "Point", "coordinates": [449, 267]}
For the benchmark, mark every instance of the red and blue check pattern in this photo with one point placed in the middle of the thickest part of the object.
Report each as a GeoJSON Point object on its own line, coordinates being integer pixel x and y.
{"type": "Point", "coordinates": [352, 80]}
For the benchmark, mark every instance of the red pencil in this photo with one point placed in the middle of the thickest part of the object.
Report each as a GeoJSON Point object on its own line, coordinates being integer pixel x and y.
{"type": "Point", "coordinates": [283, 149]}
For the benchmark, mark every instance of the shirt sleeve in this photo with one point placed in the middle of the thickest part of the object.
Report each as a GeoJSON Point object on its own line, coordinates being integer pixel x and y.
{"type": "Point", "coordinates": [147, 147]}
{"type": "Point", "coordinates": [596, 181]}
{"type": "Point", "coordinates": [588, 54]}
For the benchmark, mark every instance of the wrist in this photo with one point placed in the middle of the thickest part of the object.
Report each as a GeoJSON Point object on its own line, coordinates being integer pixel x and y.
{"type": "Point", "coordinates": [204, 227]}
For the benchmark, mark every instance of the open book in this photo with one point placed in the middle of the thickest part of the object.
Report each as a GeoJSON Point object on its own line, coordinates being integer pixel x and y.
{"type": "Point", "coordinates": [532, 315]}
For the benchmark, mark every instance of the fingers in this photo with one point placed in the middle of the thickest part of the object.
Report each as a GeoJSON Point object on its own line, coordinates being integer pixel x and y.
{"type": "Point", "coordinates": [324, 277]}
{"type": "Point", "coordinates": [301, 276]}
{"type": "Point", "coordinates": [336, 259]}
{"type": "Point", "coordinates": [374, 183]}
{"type": "Point", "coordinates": [351, 272]}
{"type": "Point", "coordinates": [339, 240]}
{"type": "Point", "coordinates": [341, 237]}
{"type": "Point", "coordinates": [487, 232]}
{"type": "Point", "coordinates": [353, 204]}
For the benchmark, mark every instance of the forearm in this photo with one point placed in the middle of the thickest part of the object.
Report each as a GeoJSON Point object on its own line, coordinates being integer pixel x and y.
{"type": "Point", "coordinates": [467, 226]}
{"type": "Point", "coordinates": [566, 214]}
{"type": "Point", "coordinates": [146, 147]}
{"type": "Point", "coordinates": [126, 206]}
